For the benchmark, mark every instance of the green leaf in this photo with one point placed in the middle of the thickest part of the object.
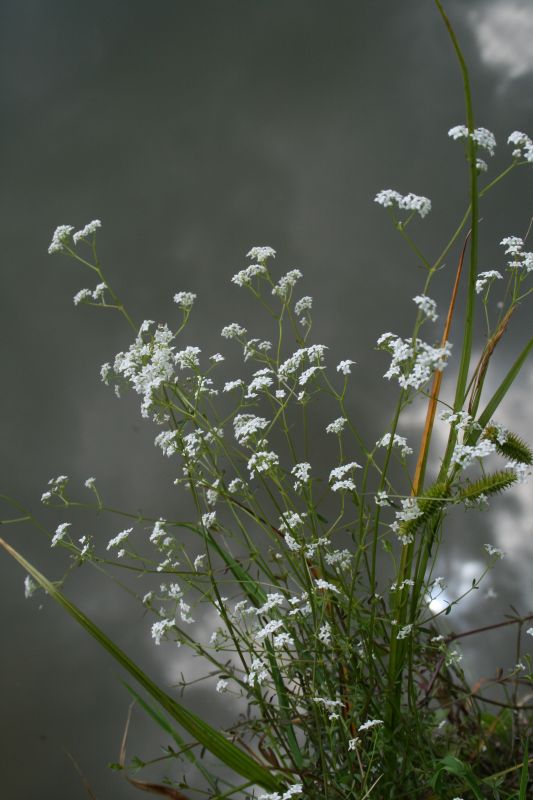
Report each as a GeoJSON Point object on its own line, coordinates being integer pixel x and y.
{"type": "Point", "coordinates": [460, 770]}
{"type": "Point", "coordinates": [230, 755]}
{"type": "Point", "coordinates": [504, 387]}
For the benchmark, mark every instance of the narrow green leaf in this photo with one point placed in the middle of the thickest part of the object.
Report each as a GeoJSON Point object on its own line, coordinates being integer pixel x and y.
{"type": "Point", "coordinates": [524, 778]}
{"type": "Point", "coordinates": [460, 770]}
{"type": "Point", "coordinates": [230, 755]}
{"type": "Point", "coordinates": [504, 387]}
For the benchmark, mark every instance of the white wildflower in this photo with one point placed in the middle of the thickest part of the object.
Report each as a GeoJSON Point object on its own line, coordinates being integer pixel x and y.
{"type": "Point", "coordinates": [513, 245]}
{"type": "Point", "coordinates": [271, 627]}
{"type": "Point", "coordinates": [324, 633]}
{"type": "Point", "coordinates": [262, 461]}
{"type": "Point", "coordinates": [345, 366]}
{"type": "Point", "coordinates": [301, 473]}
{"type": "Point", "coordinates": [261, 254]}
{"type": "Point", "coordinates": [381, 498]}
{"type": "Point", "coordinates": [308, 374]}
{"type": "Point", "coordinates": [61, 531]}
{"type": "Point", "coordinates": [233, 331]}
{"type": "Point", "coordinates": [286, 282]}
{"type": "Point", "coordinates": [404, 632]}
{"type": "Point", "coordinates": [160, 628]}
{"type": "Point", "coordinates": [29, 587]}
{"type": "Point", "coordinates": [303, 305]}
{"type": "Point", "coordinates": [465, 454]}
{"type": "Point", "coordinates": [208, 520]}
{"type": "Point", "coordinates": [81, 296]}
{"type": "Point", "coordinates": [248, 425]}
{"type": "Point", "coordinates": [61, 235]}
{"type": "Point", "coordinates": [282, 640]}
{"type": "Point", "coordinates": [398, 441]}
{"type": "Point", "coordinates": [408, 202]}
{"type": "Point", "coordinates": [494, 552]}
{"type": "Point", "coordinates": [188, 358]}
{"type": "Point", "coordinates": [221, 686]}
{"type": "Point", "coordinates": [244, 277]}
{"type": "Point", "coordinates": [530, 631]}
{"type": "Point", "coordinates": [481, 136]}
{"type": "Point", "coordinates": [87, 231]}
{"type": "Point", "coordinates": [523, 145]}
{"type": "Point", "coordinates": [336, 426]}
{"type": "Point", "coordinates": [371, 723]}
{"type": "Point", "coordinates": [185, 300]}
{"type": "Point", "coordinates": [427, 306]}
{"type": "Point", "coordinates": [230, 385]}
{"type": "Point", "coordinates": [320, 583]}
{"type": "Point", "coordinates": [120, 537]}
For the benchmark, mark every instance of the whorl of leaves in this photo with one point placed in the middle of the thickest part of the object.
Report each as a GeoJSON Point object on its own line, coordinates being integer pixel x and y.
{"type": "Point", "coordinates": [489, 484]}
{"type": "Point", "coordinates": [514, 448]}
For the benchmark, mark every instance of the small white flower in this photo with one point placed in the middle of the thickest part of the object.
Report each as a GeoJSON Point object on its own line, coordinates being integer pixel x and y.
{"type": "Point", "coordinates": [485, 277]}
{"type": "Point", "coordinates": [160, 628]}
{"type": "Point", "coordinates": [61, 531]}
{"type": "Point", "coordinates": [208, 520]}
{"type": "Point", "coordinates": [301, 473]}
{"type": "Point", "coordinates": [320, 583]}
{"type": "Point", "coordinates": [244, 277]}
{"type": "Point", "coordinates": [303, 305]}
{"type": "Point", "coordinates": [221, 686]}
{"type": "Point", "coordinates": [262, 461]}
{"type": "Point", "coordinates": [29, 587]}
{"type": "Point", "coordinates": [427, 306]}
{"type": "Point", "coordinates": [345, 366]}
{"type": "Point", "coordinates": [404, 632]}
{"type": "Point", "coordinates": [336, 426]}
{"type": "Point", "coordinates": [530, 631]}
{"type": "Point", "coordinates": [87, 231]}
{"type": "Point", "coordinates": [120, 537]}
{"type": "Point", "coordinates": [89, 483]}
{"type": "Point", "coordinates": [523, 145]}
{"type": "Point", "coordinates": [371, 723]}
{"type": "Point", "coordinates": [61, 235]}
{"type": "Point", "coordinates": [352, 743]}
{"type": "Point", "coordinates": [185, 300]}
{"type": "Point", "coordinates": [494, 551]}
{"type": "Point", "coordinates": [261, 254]}
{"type": "Point", "coordinates": [233, 331]}
{"type": "Point", "coordinates": [408, 202]}
{"type": "Point", "coordinates": [81, 296]}
{"type": "Point", "coordinates": [286, 282]}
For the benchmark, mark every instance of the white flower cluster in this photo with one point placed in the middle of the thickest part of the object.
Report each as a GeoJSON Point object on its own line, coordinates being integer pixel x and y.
{"type": "Point", "coordinates": [485, 278]}
{"type": "Point", "coordinates": [245, 276]}
{"type": "Point", "coordinates": [248, 425]}
{"type": "Point", "coordinates": [292, 791]}
{"type": "Point", "coordinates": [262, 461]}
{"type": "Point", "coordinates": [64, 232]}
{"type": "Point", "coordinates": [408, 202]}
{"type": "Point", "coordinates": [398, 441]}
{"type": "Point", "coordinates": [514, 245]}
{"type": "Point", "coordinates": [301, 473]}
{"type": "Point", "coordinates": [464, 455]}
{"type": "Point", "coordinates": [303, 305]}
{"type": "Point", "coordinates": [371, 723]}
{"type": "Point", "coordinates": [427, 306]}
{"type": "Point", "coordinates": [146, 365]}
{"type": "Point", "coordinates": [86, 294]}
{"type": "Point", "coordinates": [60, 533]}
{"type": "Point", "coordinates": [56, 488]}
{"type": "Point", "coordinates": [286, 283]}
{"type": "Point", "coordinates": [345, 366]}
{"type": "Point", "coordinates": [522, 144]}
{"type": "Point", "coordinates": [460, 419]}
{"type": "Point", "coordinates": [410, 511]}
{"type": "Point", "coordinates": [481, 136]}
{"type": "Point", "coordinates": [337, 477]}
{"type": "Point", "coordinates": [413, 366]}
{"type": "Point", "coordinates": [120, 537]}
{"type": "Point", "coordinates": [336, 426]}
{"type": "Point", "coordinates": [494, 552]}
{"type": "Point", "coordinates": [233, 331]}
{"type": "Point", "coordinates": [87, 231]}
{"type": "Point", "coordinates": [313, 355]}
{"type": "Point", "coordinates": [261, 254]}
{"type": "Point", "coordinates": [185, 300]}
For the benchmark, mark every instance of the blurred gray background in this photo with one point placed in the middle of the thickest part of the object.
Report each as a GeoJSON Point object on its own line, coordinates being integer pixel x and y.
{"type": "Point", "coordinates": [194, 131]}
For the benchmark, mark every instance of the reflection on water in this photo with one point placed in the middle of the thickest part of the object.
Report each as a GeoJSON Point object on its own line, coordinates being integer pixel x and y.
{"type": "Point", "coordinates": [195, 131]}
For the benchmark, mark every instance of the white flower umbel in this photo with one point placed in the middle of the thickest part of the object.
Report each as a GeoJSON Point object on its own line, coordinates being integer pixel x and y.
{"type": "Point", "coordinates": [286, 283]}
{"type": "Point", "coordinates": [262, 461]}
{"type": "Point", "coordinates": [345, 366]}
{"type": "Point", "coordinates": [427, 306]}
{"type": "Point", "coordinates": [261, 254]}
{"type": "Point", "coordinates": [89, 230]}
{"type": "Point", "coordinates": [185, 300]}
{"type": "Point", "coordinates": [336, 426]}
{"type": "Point", "coordinates": [399, 441]}
{"type": "Point", "coordinates": [233, 331]}
{"type": "Point", "coordinates": [303, 305]}
{"type": "Point", "coordinates": [413, 366]}
{"type": "Point", "coordinates": [494, 552]}
{"type": "Point", "coordinates": [370, 723]}
{"type": "Point", "coordinates": [301, 473]}
{"type": "Point", "coordinates": [60, 533]}
{"type": "Point", "coordinates": [245, 276]}
{"type": "Point", "coordinates": [481, 136]}
{"type": "Point", "coordinates": [408, 202]}
{"type": "Point", "coordinates": [464, 455]}
{"type": "Point", "coordinates": [161, 628]}
{"type": "Point", "coordinates": [61, 235]}
{"type": "Point", "coordinates": [248, 425]}
{"type": "Point", "coordinates": [485, 278]}
{"type": "Point", "coordinates": [292, 791]}
{"type": "Point", "coordinates": [523, 145]}
{"type": "Point", "coordinates": [120, 537]}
